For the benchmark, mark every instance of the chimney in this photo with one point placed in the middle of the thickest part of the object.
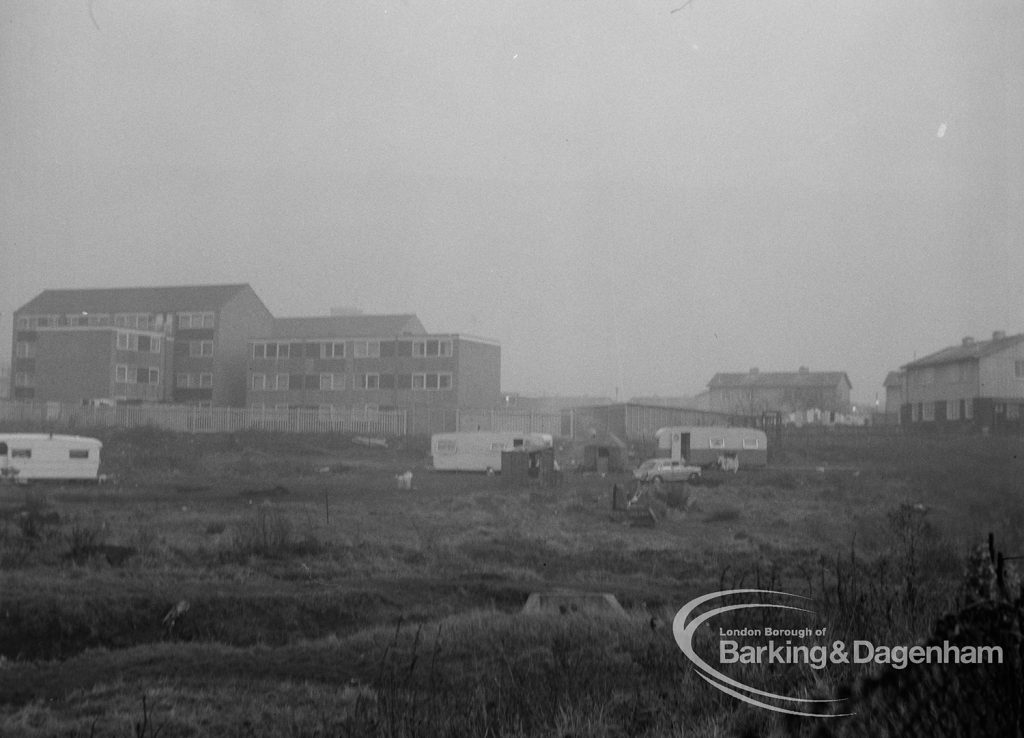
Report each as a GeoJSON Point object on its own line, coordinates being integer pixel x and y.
{"type": "Point", "coordinates": [968, 341]}
{"type": "Point", "coordinates": [998, 335]}
{"type": "Point", "coordinates": [804, 370]}
{"type": "Point", "coordinates": [754, 370]}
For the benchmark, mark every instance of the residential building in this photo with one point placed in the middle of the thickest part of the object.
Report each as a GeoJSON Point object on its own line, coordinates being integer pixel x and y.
{"type": "Point", "coordinates": [137, 344]}
{"type": "Point", "coordinates": [757, 392]}
{"type": "Point", "coordinates": [977, 382]}
{"type": "Point", "coordinates": [359, 364]}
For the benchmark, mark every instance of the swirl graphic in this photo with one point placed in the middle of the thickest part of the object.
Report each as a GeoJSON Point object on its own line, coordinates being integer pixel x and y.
{"type": "Point", "coordinates": [683, 629]}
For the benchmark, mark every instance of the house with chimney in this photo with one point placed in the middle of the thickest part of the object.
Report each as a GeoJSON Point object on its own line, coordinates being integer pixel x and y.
{"type": "Point", "coordinates": [756, 392]}
{"type": "Point", "coordinates": [979, 382]}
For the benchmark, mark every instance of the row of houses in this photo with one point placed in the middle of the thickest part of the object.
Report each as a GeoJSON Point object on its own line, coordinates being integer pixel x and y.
{"type": "Point", "coordinates": [219, 346]}
{"type": "Point", "coordinates": [976, 383]}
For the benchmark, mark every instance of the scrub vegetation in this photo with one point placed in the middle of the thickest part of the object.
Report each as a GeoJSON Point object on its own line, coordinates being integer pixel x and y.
{"type": "Point", "coordinates": [271, 584]}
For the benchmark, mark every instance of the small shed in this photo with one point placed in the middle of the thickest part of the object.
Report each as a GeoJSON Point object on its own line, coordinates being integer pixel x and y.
{"type": "Point", "coordinates": [526, 466]}
{"type": "Point", "coordinates": [602, 458]}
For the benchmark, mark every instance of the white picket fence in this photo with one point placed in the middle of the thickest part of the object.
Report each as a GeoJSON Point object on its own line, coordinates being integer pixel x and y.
{"type": "Point", "coordinates": [194, 419]}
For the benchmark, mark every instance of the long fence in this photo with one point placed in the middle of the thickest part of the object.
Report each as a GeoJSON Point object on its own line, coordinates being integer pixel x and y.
{"type": "Point", "coordinates": [195, 419]}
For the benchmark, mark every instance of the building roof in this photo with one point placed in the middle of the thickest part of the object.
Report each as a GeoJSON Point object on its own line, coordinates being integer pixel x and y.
{"type": "Point", "coordinates": [132, 299]}
{"type": "Point", "coordinates": [967, 350]}
{"type": "Point", "coordinates": [348, 326]}
{"type": "Point", "coordinates": [779, 379]}
{"type": "Point", "coordinates": [893, 379]}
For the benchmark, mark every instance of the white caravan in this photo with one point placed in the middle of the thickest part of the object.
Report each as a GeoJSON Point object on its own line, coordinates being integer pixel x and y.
{"type": "Point", "coordinates": [480, 450]}
{"type": "Point", "coordinates": [28, 456]}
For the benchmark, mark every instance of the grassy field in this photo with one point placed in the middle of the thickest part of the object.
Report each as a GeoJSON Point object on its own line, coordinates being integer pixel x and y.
{"type": "Point", "coordinates": [263, 584]}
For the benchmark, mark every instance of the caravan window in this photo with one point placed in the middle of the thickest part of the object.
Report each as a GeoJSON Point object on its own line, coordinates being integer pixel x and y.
{"type": "Point", "coordinates": [78, 453]}
{"type": "Point", "coordinates": [749, 443]}
{"type": "Point", "coordinates": [717, 442]}
{"type": "Point", "coordinates": [21, 453]}
{"type": "Point", "coordinates": [446, 446]}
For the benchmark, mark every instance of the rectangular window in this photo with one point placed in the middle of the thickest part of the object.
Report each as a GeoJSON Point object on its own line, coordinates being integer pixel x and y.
{"type": "Point", "coordinates": [366, 349]}
{"type": "Point", "coordinates": [403, 381]}
{"type": "Point", "coordinates": [716, 442]}
{"type": "Point", "coordinates": [387, 349]}
{"type": "Point", "coordinates": [259, 350]}
{"type": "Point", "coordinates": [444, 381]}
{"type": "Point", "coordinates": [259, 381]}
{"type": "Point", "coordinates": [280, 381]}
{"type": "Point", "coordinates": [181, 380]}
{"type": "Point", "coordinates": [294, 381]}
{"type": "Point", "coordinates": [1012, 411]}
{"type": "Point", "coordinates": [121, 373]}
{"type": "Point", "coordinates": [327, 382]}
{"type": "Point", "coordinates": [335, 350]}
{"type": "Point", "coordinates": [750, 443]}
{"type": "Point", "coordinates": [311, 382]}
{"type": "Point", "coordinates": [78, 453]}
{"type": "Point", "coordinates": [445, 446]}
{"type": "Point", "coordinates": [21, 453]}
{"type": "Point", "coordinates": [419, 381]}
{"type": "Point", "coordinates": [284, 350]}
{"type": "Point", "coordinates": [25, 350]}
{"type": "Point", "coordinates": [144, 343]}
{"type": "Point", "coordinates": [142, 375]}
{"type": "Point", "coordinates": [123, 341]}
{"type": "Point", "coordinates": [954, 409]}
{"type": "Point", "coordinates": [312, 350]}
{"type": "Point", "coordinates": [928, 411]}
{"type": "Point", "coordinates": [206, 379]}
{"type": "Point", "coordinates": [431, 381]}
{"type": "Point", "coordinates": [369, 381]}
{"type": "Point", "coordinates": [22, 379]}
{"type": "Point", "coordinates": [387, 381]}
{"type": "Point", "coordinates": [195, 320]}
{"type": "Point", "coordinates": [271, 350]}
{"type": "Point", "coordinates": [200, 348]}
{"type": "Point", "coordinates": [339, 382]}
{"type": "Point", "coordinates": [969, 410]}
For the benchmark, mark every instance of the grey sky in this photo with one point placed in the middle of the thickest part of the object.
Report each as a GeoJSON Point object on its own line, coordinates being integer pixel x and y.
{"type": "Point", "coordinates": [622, 195]}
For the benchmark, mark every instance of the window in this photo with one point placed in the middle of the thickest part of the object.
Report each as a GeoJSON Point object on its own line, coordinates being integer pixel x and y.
{"type": "Point", "coordinates": [445, 446]}
{"type": "Point", "coordinates": [195, 320]}
{"type": "Point", "coordinates": [716, 442]}
{"type": "Point", "coordinates": [22, 379]}
{"type": "Point", "coordinates": [432, 381]}
{"type": "Point", "coordinates": [259, 381]}
{"type": "Point", "coordinates": [368, 381]}
{"type": "Point", "coordinates": [280, 382]}
{"type": "Point", "coordinates": [25, 350]}
{"type": "Point", "coordinates": [144, 343]}
{"type": "Point", "coordinates": [147, 375]}
{"type": "Point", "coordinates": [432, 348]}
{"type": "Point", "coordinates": [331, 381]}
{"type": "Point", "coordinates": [181, 380]}
{"type": "Point", "coordinates": [969, 410]}
{"type": "Point", "coordinates": [915, 412]}
{"type": "Point", "coordinates": [206, 379]}
{"type": "Point", "coordinates": [271, 350]}
{"type": "Point", "coordinates": [200, 348]}
{"type": "Point", "coordinates": [312, 351]}
{"type": "Point", "coordinates": [78, 453]}
{"type": "Point", "coordinates": [749, 443]}
{"type": "Point", "coordinates": [335, 350]}
{"type": "Point", "coordinates": [284, 350]}
{"type": "Point", "coordinates": [259, 350]}
{"type": "Point", "coordinates": [954, 409]}
{"type": "Point", "coordinates": [21, 453]}
{"type": "Point", "coordinates": [311, 381]}
{"type": "Point", "coordinates": [1018, 369]}
{"type": "Point", "coordinates": [124, 341]}
{"type": "Point", "coordinates": [1013, 412]}
{"type": "Point", "coordinates": [928, 411]}
{"type": "Point", "coordinates": [365, 349]}
{"type": "Point", "coordinates": [121, 373]}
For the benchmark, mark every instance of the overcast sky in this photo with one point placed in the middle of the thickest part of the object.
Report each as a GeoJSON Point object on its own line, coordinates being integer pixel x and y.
{"type": "Point", "coordinates": [624, 196]}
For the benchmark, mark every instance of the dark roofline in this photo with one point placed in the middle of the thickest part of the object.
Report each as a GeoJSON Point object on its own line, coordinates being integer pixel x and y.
{"type": "Point", "coordinates": [974, 351]}
{"type": "Point", "coordinates": [128, 299]}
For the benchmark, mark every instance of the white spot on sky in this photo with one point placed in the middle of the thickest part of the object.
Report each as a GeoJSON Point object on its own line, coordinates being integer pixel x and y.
{"type": "Point", "coordinates": [515, 56]}
{"type": "Point", "coordinates": [941, 132]}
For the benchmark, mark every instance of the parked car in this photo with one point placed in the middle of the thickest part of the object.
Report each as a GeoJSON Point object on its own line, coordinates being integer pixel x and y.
{"type": "Point", "coordinates": [666, 470]}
